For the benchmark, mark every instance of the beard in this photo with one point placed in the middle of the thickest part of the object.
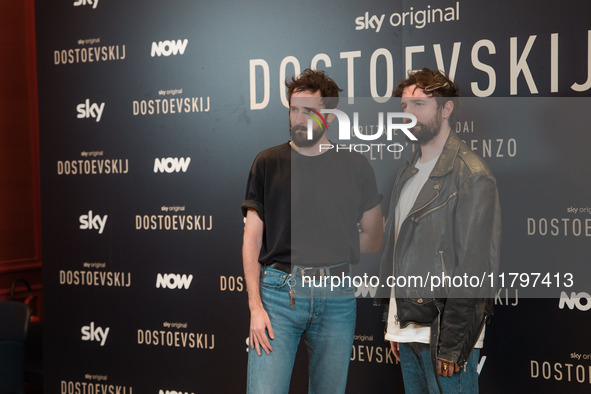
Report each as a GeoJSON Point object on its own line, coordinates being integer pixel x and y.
{"type": "Point", "coordinates": [426, 132]}
{"type": "Point", "coordinates": [299, 136]}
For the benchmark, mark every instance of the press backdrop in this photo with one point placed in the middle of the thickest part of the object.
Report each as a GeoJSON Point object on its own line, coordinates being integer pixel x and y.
{"type": "Point", "coordinates": [151, 113]}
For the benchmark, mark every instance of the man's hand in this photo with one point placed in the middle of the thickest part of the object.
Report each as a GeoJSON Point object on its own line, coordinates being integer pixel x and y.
{"type": "Point", "coordinates": [446, 368]}
{"type": "Point", "coordinates": [259, 319]}
{"type": "Point", "coordinates": [259, 325]}
{"type": "Point", "coordinates": [395, 350]}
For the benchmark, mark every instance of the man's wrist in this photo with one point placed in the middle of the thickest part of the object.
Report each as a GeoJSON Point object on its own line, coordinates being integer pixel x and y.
{"type": "Point", "coordinates": [443, 360]}
{"type": "Point", "coordinates": [255, 304]}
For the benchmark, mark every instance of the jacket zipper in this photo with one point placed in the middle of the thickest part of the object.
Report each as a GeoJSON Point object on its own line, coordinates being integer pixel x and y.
{"type": "Point", "coordinates": [435, 208]}
{"type": "Point", "coordinates": [418, 209]}
{"type": "Point", "coordinates": [393, 223]}
{"type": "Point", "coordinates": [444, 269]}
{"type": "Point", "coordinates": [474, 343]}
{"type": "Point", "coordinates": [442, 262]}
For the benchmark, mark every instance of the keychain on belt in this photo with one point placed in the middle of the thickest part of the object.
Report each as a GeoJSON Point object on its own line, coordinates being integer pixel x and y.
{"type": "Point", "coordinates": [291, 282]}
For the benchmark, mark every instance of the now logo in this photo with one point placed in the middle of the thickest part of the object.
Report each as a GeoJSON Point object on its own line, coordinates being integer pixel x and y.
{"type": "Point", "coordinates": [575, 301]}
{"type": "Point", "coordinates": [173, 392]}
{"type": "Point", "coordinates": [172, 164]}
{"type": "Point", "coordinates": [167, 48]}
{"type": "Point", "coordinates": [366, 291]}
{"type": "Point", "coordinates": [173, 281]}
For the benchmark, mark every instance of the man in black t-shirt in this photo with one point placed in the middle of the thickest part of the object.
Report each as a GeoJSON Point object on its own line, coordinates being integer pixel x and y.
{"type": "Point", "coordinates": [310, 213]}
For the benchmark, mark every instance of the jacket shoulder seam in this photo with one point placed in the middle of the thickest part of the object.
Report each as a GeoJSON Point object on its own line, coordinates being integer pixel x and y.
{"type": "Point", "coordinates": [474, 163]}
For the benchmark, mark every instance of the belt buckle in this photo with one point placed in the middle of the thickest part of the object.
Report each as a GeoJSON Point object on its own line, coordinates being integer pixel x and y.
{"type": "Point", "coordinates": [315, 271]}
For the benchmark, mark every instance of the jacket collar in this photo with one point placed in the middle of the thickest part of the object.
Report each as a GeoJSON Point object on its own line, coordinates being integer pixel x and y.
{"type": "Point", "coordinates": [432, 186]}
{"type": "Point", "coordinates": [446, 160]}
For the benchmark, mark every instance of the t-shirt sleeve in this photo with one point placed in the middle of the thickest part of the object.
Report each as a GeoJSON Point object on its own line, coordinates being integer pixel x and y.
{"type": "Point", "coordinates": [254, 198]}
{"type": "Point", "coordinates": [370, 197]}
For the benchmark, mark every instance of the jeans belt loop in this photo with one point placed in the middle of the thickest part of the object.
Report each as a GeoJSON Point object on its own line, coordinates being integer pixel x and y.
{"type": "Point", "coordinates": [296, 270]}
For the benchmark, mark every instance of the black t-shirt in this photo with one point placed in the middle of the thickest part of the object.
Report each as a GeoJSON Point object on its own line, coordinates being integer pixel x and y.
{"type": "Point", "coordinates": [310, 204]}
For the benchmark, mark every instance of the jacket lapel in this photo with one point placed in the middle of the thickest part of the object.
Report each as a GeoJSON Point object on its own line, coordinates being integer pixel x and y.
{"type": "Point", "coordinates": [444, 165]}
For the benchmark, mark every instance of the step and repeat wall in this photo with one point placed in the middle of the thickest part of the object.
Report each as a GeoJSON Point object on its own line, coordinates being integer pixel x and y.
{"type": "Point", "coordinates": [151, 113]}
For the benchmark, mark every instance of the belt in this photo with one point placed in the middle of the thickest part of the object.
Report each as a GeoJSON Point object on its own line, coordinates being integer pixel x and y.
{"type": "Point", "coordinates": [329, 270]}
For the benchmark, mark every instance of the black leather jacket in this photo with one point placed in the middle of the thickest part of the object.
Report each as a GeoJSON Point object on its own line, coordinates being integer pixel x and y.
{"type": "Point", "coordinates": [454, 228]}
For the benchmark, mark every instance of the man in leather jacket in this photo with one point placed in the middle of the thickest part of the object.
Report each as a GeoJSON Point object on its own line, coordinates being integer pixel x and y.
{"type": "Point", "coordinates": [443, 226]}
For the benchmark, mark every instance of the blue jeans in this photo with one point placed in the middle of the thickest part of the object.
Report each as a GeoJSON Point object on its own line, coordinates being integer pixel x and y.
{"type": "Point", "coordinates": [419, 378]}
{"type": "Point", "coordinates": [326, 321]}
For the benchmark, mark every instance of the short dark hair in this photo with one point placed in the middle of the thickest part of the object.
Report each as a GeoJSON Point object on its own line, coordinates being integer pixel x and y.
{"type": "Point", "coordinates": [314, 80]}
{"type": "Point", "coordinates": [436, 84]}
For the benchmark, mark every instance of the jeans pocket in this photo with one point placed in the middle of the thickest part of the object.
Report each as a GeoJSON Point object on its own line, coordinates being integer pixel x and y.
{"type": "Point", "coordinates": [346, 287]}
{"type": "Point", "coordinates": [272, 278]}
